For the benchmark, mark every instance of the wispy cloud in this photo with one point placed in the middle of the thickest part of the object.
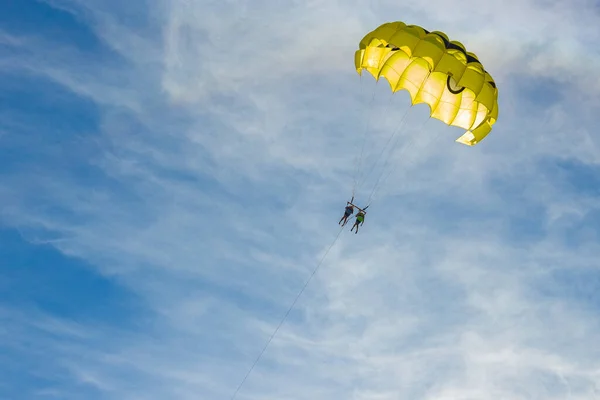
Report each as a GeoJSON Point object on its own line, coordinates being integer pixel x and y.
{"type": "Point", "coordinates": [216, 151]}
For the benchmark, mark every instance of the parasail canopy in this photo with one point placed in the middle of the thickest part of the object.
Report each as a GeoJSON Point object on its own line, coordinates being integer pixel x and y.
{"type": "Point", "coordinates": [435, 71]}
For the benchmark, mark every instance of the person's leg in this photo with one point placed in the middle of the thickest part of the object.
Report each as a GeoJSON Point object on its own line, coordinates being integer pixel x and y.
{"type": "Point", "coordinates": [346, 215]}
{"type": "Point", "coordinates": [358, 223]}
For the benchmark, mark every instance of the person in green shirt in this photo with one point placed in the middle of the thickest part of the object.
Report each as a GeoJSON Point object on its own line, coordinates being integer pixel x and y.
{"type": "Point", "coordinates": [360, 219]}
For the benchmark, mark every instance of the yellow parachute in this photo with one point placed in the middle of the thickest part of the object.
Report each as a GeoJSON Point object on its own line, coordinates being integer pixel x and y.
{"type": "Point", "coordinates": [435, 71]}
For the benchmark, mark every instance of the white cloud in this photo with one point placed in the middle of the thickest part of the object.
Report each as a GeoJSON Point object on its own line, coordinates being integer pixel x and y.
{"type": "Point", "coordinates": [226, 152]}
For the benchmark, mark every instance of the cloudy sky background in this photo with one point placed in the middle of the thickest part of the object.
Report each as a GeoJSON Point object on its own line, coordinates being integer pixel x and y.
{"type": "Point", "coordinates": [171, 172]}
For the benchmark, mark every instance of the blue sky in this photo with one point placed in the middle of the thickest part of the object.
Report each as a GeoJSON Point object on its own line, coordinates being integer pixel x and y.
{"type": "Point", "coordinates": [172, 171]}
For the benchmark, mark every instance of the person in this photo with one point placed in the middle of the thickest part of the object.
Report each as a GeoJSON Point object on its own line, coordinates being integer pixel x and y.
{"type": "Point", "coordinates": [360, 219]}
{"type": "Point", "coordinates": [347, 212]}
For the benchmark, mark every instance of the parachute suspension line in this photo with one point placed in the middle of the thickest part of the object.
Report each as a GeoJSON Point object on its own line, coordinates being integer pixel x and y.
{"type": "Point", "coordinates": [286, 314]}
{"type": "Point", "coordinates": [408, 145]}
{"type": "Point", "coordinates": [390, 138]}
{"type": "Point", "coordinates": [358, 161]}
{"type": "Point", "coordinates": [411, 143]}
{"type": "Point", "coordinates": [355, 158]}
{"type": "Point", "coordinates": [360, 175]}
{"type": "Point", "coordinates": [406, 182]}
